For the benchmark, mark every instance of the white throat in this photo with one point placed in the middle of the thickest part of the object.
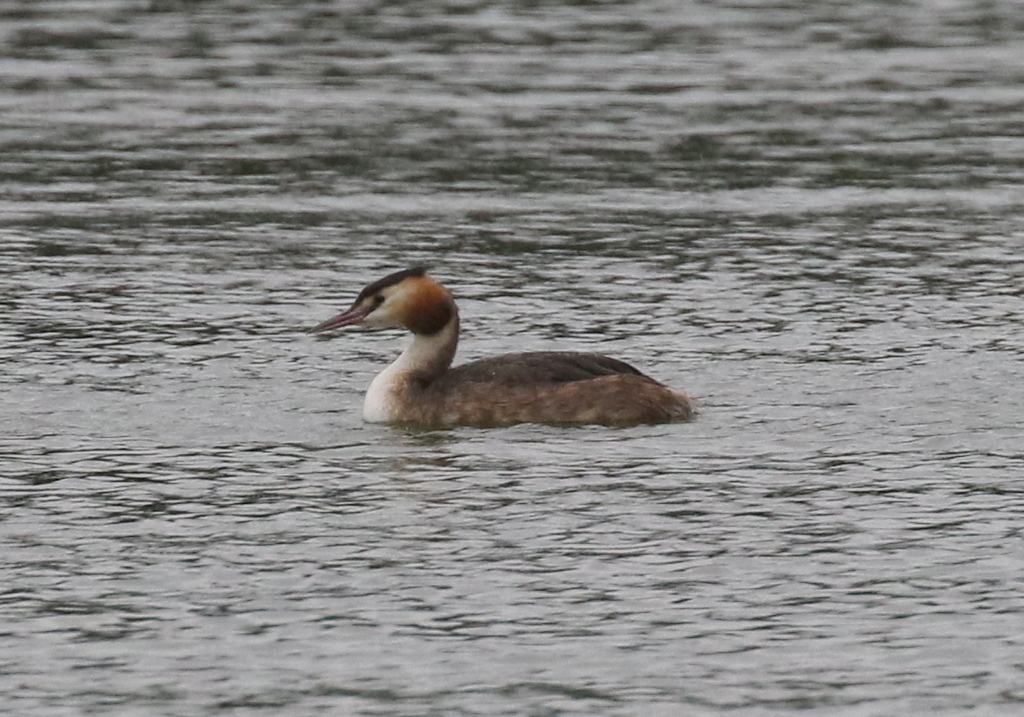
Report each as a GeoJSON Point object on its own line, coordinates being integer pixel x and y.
{"type": "Point", "coordinates": [425, 356]}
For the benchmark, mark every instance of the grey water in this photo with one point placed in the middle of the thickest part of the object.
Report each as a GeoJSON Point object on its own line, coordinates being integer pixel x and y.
{"type": "Point", "coordinates": [807, 215]}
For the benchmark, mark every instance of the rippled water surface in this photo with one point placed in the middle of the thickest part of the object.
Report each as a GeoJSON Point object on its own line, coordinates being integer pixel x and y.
{"type": "Point", "coordinates": [808, 215]}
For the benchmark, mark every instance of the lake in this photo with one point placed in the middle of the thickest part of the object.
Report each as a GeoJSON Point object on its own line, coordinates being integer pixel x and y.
{"type": "Point", "coordinates": [808, 216]}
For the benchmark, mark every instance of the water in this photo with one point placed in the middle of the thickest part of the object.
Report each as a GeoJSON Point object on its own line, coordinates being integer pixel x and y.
{"type": "Point", "coordinates": [808, 216]}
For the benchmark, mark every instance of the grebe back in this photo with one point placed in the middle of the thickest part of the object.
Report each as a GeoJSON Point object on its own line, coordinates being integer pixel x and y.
{"type": "Point", "coordinates": [551, 387]}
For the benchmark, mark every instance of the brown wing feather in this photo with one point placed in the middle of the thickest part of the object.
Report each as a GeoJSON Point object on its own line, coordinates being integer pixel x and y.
{"type": "Point", "coordinates": [538, 368]}
{"type": "Point", "coordinates": [545, 387]}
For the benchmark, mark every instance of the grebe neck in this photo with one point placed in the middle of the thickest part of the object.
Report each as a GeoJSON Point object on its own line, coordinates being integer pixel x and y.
{"type": "Point", "coordinates": [429, 355]}
{"type": "Point", "coordinates": [423, 361]}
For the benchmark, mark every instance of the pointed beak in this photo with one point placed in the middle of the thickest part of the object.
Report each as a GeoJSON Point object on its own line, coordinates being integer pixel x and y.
{"type": "Point", "coordinates": [355, 315]}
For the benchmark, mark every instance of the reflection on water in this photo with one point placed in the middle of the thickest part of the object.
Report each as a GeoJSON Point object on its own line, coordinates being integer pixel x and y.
{"type": "Point", "coordinates": [808, 217]}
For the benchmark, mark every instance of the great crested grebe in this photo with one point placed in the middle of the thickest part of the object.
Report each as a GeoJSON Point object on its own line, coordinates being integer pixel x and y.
{"type": "Point", "coordinates": [421, 389]}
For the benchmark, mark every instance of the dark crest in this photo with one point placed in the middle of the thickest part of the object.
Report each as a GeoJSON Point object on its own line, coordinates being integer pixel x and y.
{"type": "Point", "coordinates": [390, 280]}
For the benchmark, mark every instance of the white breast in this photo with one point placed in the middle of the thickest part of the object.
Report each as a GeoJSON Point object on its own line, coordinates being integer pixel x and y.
{"type": "Point", "coordinates": [379, 404]}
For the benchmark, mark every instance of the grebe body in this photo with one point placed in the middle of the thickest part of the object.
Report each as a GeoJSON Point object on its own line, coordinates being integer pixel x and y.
{"type": "Point", "coordinates": [420, 388]}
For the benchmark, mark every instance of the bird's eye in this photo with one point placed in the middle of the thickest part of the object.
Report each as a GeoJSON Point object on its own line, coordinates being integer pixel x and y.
{"type": "Point", "coordinates": [378, 299]}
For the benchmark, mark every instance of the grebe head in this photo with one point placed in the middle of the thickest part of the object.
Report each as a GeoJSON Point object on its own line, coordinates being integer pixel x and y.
{"type": "Point", "coordinates": [408, 298]}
